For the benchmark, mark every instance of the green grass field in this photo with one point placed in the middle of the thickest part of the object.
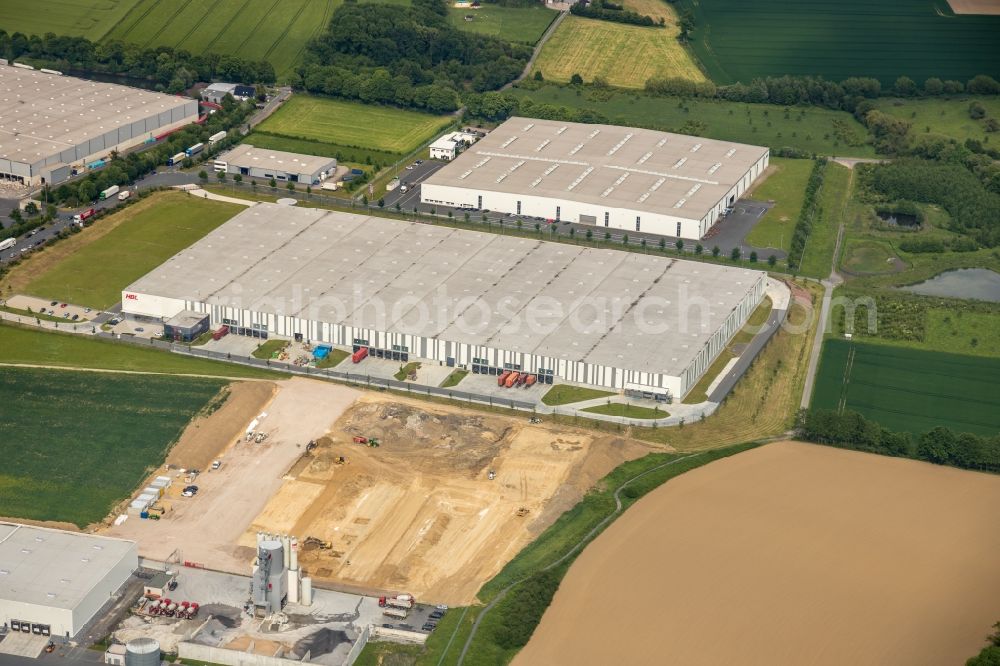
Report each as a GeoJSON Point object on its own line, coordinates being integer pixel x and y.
{"type": "Point", "coordinates": [786, 188]}
{"type": "Point", "coordinates": [565, 394]}
{"type": "Point", "coordinates": [625, 56]}
{"type": "Point", "coordinates": [342, 153]}
{"type": "Point", "coordinates": [340, 122]}
{"type": "Point", "coordinates": [74, 444]}
{"type": "Point", "coordinates": [627, 411]}
{"type": "Point", "coordinates": [97, 273]}
{"type": "Point", "coordinates": [27, 346]}
{"type": "Point", "coordinates": [513, 24]}
{"type": "Point", "coordinates": [943, 116]}
{"type": "Point", "coordinates": [815, 130]}
{"type": "Point", "coordinates": [910, 390]}
{"type": "Point", "coordinates": [83, 18]}
{"type": "Point", "coordinates": [272, 30]}
{"type": "Point", "coordinates": [738, 41]}
{"type": "Point", "coordinates": [868, 257]}
{"type": "Point", "coordinates": [817, 258]}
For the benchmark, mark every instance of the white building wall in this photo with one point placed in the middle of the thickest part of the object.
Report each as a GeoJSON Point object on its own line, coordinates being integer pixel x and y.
{"type": "Point", "coordinates": [150, 306]}
{"type": "Point", "coordinates": [101, 593]}
{"type": "Point", "coordinates": [60, 620]}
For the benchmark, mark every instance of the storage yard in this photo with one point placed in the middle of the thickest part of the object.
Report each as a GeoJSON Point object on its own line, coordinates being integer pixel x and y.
{"type": "Point", "coordinates": [796, 554]}
{"type": "Point", "coordinates": [419, 511]}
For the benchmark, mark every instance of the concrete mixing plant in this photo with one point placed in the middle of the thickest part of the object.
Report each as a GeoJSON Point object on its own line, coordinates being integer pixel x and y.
{"type": "Point", "coordinates": [275, 579]}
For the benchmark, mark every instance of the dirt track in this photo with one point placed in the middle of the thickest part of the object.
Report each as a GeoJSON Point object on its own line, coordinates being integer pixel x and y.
{"type": "Point", "coordinates": [986, 7]}
{"type": "Point", "coordinates": [787, 554]}
{"type": "Point", "coordinates": [419, 514]}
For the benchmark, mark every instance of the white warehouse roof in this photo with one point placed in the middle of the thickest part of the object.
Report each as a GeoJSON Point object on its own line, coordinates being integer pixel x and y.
{"type": "Point", "coordinates": [245, 155]}
{"type": "Point", "coordinates": [43, 114]}
{"type": "Point", "coordinates": [623, 167]}
{"type": "Point", "coordinates": [457, 285]}
{"type": "Point", "coordinates": [54, 568]}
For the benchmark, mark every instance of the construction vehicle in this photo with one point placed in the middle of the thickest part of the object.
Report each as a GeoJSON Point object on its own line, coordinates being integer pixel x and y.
{"type": "Point", "coordinates": [535, 419]}
{"type": "Point", "coordinates": [492, 475]}
{"type": "Point", "coordinates": [311, 542]}
{"type": "Point", "coordinates": [511, 379]}
{"type": "Point", "coordinates": [368, 441]}
{"type": "Point", "coordinates": [502, 379]}
{"type": "Point", "coordinates": [522, 512]}
{"type": "Point", "coordinates": [397, 613]}
{"type": "Point", "coordinates": [260, 437]}
{"type": "Point", "coordinates": [399, 601]}
{"type": "Point", "coordinates": [311, 445]}
{"type": "Point", "coordinates": [340, 460]}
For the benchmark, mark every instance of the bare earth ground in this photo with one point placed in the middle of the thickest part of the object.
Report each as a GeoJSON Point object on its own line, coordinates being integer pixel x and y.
{"type": "Point", "coordinates": [787, 554]}
{"type": "Point", "coordinates": [419, 514]}
{"type": "Point", "coordinates": [205, 528]}
{"type": "Point", "coordinates": [991, 7]}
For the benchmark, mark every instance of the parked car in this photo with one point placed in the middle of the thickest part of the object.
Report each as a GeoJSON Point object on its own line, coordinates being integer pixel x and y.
{"type": "Point", "coordinates": [429, 626]}
{"type": "Point", "coordinates": [140, 329]}
{"type": "Point", "coordinates": [75, 317]}
{"type": "Point", "coordinates": [172, 585]}
{"type": "Point", "coordinates": [63, 305]}
{"type": "Point", "coordinates": [190, 491]}
{"type": "Point", "coordinates": [54, 303]}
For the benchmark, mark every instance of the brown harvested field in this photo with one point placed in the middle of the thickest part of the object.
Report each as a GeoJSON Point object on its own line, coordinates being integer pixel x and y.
{"type": "Point", "coordinates": [989, 7]}
{"type": "Point", "coordinates": [787, 554]}
{"type": "Point", "coordinates": [419, 514]}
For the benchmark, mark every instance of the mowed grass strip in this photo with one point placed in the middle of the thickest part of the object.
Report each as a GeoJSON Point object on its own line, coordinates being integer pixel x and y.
{"type": "Point", "coordinates": [909, 390]}
{"type": "Point", "coordinates": [346, 123]}
{"type": "Point", "coordinates": [625, 56]}
{"type": "Point", "coordinates": [785, 186]}
{"type": "Point", "coordinates": [28, 346]}
{"type": "Point", "coordinates": [524, 25]}
{"type": "Point", "coordinates": [738, 41]}
{"type": "Point", "coordinates": [147, 234]}
{"type": "Point", "coordinates": [74, 444]}
{"type": "Point", "coordinates": [92, 19]}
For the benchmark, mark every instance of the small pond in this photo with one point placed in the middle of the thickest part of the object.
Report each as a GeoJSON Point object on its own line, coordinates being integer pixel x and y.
{"type": "Point", "coordinates": [979, 283]}
{"type": "Point", "coordinates": [899, 219]}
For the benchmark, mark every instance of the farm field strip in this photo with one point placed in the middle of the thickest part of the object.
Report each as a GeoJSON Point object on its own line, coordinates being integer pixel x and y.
{"type": "Point", "coordinates": [346, 123]}
{"type": "Point", "coordinates": [525, 25]}
{"type": "Point", "coordinates": [737, 41]}
{"type": "Point", "coordinates": [910, 390]}
{"type": "Point", "coordinates": [92, 19]}
{"type": "Point", "coordinates": [64, 430]}
{"type": "Point", "coordinates": [625, 56]}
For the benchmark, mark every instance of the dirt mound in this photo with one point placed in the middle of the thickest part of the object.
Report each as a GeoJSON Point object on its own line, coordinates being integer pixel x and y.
{"type": "Point", "coordinates": [321, 642]}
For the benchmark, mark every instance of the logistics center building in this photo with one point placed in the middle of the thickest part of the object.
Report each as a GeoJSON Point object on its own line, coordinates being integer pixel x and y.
{"type": "Point", "coordinates": [604, 175]}
{"type": "Point", "coordinates": [50, 123]}
{"type": "Point", "coordinates": [481, 301]}
{"type": "Point", "coordinates": [247, 160]}
{"type": "Point", "coordinates": [53, 582]}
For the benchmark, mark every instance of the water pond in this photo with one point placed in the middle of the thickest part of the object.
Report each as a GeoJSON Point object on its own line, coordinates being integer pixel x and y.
{"type": "Point", "coordinates": [979, 283]}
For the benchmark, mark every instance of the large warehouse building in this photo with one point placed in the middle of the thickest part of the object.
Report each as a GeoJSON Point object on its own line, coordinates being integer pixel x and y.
{"type": "Point", "coordinates": [266, 163]}
{"type": "Point", "coordinates": [50, 123]}
{"type": "Point", "coordinates": [482, 301]}
{"type": "Point", "coordinates": [608, 176]}
{"type": "Point", "coordinates": [53, 582]}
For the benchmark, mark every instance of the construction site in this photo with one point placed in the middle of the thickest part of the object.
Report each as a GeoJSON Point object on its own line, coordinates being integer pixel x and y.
{"type": "Point", "coordinates": [384, 494]}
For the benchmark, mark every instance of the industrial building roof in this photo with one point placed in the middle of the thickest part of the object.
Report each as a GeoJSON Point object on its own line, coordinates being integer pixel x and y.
{"type": "Point", "coordinates": [43, 114]}
{"type": "Point", "coordinates": [52, 567]}
{"type": "Point", "coordinates": [618, 167]}
{"type": "Point", "coordinates": [245, 155]}
{"type": "Point", "coordinates": [607, 307]}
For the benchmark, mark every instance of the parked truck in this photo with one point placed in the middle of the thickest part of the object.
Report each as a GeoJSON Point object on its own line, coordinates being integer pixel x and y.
{"type": "Point", "coordinates": [512, 379]}
{"type": "Point", "coordinates": [333, 187]}
{"type": "Point", "coordinates": [359, 355]}
{"type": "Point", "coordinates": [396, 613]}
{"type": "Point", "coordinates": [176, 159]}
{"type": "Point", "coordinates": [502, 379]}
{"type": "Point", "coordinates": [217, 137]}
{"type": "Point", "coordinates": [123, 195]}
{"type": "Point", "coordinates": [87, 214]}
{"type": "Point", "coordinates": [110, 192]}
{"type": "Point", "coordinates": [195, 149]}
{"type": "Point", "coordinates": [404, 601]}
{"type": "Point", "coordinates": [10, 242]}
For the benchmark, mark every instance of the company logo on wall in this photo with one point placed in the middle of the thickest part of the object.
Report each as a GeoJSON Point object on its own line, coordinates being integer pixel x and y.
{"type": "Point", "coordinates": [131, 297]}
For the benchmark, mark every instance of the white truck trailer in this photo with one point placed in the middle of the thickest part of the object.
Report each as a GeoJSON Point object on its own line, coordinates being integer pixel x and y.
{"type": "Point", "coordinates": [110, 192]}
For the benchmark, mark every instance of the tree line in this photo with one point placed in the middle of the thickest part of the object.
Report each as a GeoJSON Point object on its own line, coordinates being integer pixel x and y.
{"type": "Point", "coordinates": [940, 445]}
{"type": "Point", "coordinates": [172, 71]}
{"type": "Point", "coordinates": [609, 11]}
{"type": "Point", "coordinates": [808, 215]}
{"type": "Point", "coordinates": [407, 56]}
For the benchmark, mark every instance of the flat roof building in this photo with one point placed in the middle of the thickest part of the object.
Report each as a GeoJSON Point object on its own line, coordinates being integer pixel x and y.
{"type": "Point", "coordinates": [247, 160]}
{"type": "Point", "coordinates": [53, 582]}
{"type": "Point", "coordinates": [50, 123]}
{"type": "Point", "coordinates": [461, 298]}
{"type": "Point", "coordinates": [216, 92]}
{"type": "Point", "coordinates": [608, 176]}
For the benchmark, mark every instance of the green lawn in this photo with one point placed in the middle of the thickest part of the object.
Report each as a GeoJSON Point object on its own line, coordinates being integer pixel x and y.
{"type": "Point", "coordinates": [153, 231]}
{"type": "Point", "coordinates": [739, 41]}
{"type": "Point", "coordinates": [812, 129]}
{"type": "Point", "coordinates": [268, 30]}
{"type": "Point", "coordinates": [405, 371]}
{"type": "Point", "coordinates": [908, 389]}
{"type": "Point", "coordinates": [344, 154]}
{"type": "Point", "coordinates": [514, 24]}
{"type": "Point", "coordinates": [74, 444]}
{"type": "Point", "coordinates": [80, 18]}
{"type": "Point", "coordinates": [943, 116]}
{"type": "Point", "coordinates": [786, 188]}
{"type": "Point", "coordinates": [333, 359]}
{"type": "Point", "coordinates": [24, 345]}
{"type": "Point", "coordinates": [817, 259]}
{"type": "Point", "coordinates": [454, 378]}
{"type": "Point", "coordinates": [269, 348]}
{"type": "Point", "coordinates": [564, 394]}
{"type": "Point", "coordinates": [627, 411]}
{"type": "Point", "coordinates": [868, 257]}
{"type": "Point", "coordinates": [340, 122]}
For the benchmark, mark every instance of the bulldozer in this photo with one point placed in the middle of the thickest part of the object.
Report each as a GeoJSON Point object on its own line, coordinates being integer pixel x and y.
{"type": "Point", "coordinates": [340, 460]}
{"type": "Point", "coordinates": [367, 441]}
{"type": "Point", "coordinates": [522, 512]}
{"type": "Point", "coordinates": [311, 542]}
